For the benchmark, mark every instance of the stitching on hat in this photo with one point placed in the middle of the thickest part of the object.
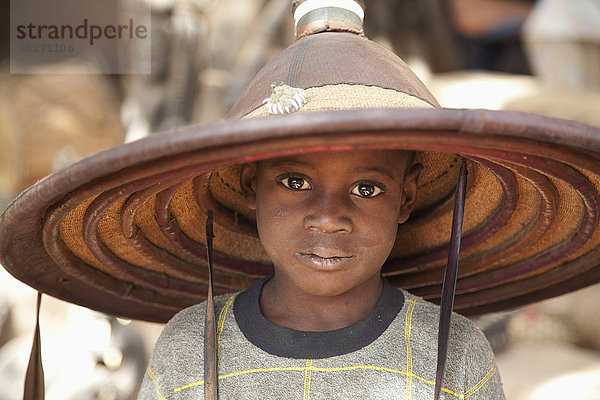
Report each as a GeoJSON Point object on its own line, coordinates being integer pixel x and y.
{"type": "Point", "coordinates": [227, 184]}
{"type": "Point", "coordinates": [296, 65]}
{"type": "Point", "coordinates": [443, 173]}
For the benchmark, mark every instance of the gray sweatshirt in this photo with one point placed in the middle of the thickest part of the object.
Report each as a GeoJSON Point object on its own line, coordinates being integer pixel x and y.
{"type": "Point", "coordinates": [391, 354]}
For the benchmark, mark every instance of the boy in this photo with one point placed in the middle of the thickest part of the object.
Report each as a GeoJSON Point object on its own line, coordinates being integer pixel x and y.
{"type": "Point", "coordinates": [325, 325]}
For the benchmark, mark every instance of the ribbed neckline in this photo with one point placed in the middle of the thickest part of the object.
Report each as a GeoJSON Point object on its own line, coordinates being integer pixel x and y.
{"type": "Point", "coordinates": [285, 342]}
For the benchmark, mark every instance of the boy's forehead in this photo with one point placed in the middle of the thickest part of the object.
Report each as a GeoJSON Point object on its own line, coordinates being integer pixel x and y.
{"type": "Point", "coordinates": [388, 162]}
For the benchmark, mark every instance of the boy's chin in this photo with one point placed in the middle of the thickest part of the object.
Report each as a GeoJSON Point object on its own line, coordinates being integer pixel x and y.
{"type": "Point", "coordinates": [322, 285]}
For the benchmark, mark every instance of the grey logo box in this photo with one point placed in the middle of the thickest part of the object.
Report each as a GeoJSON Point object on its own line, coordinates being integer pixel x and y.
{"type": "Point", "coordinates": [80, 36]}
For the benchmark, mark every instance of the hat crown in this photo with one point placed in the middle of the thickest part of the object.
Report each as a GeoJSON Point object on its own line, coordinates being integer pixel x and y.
{"type": "Point", "coordinates": [329, 59]}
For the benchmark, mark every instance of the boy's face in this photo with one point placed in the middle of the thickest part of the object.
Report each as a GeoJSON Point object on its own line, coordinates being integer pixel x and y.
{"type": "Point", "coordinates": [329, 220]}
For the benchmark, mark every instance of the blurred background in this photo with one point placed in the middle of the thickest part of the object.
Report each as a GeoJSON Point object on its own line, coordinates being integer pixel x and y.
{"type": "Point", "coordinates": [537, 56]}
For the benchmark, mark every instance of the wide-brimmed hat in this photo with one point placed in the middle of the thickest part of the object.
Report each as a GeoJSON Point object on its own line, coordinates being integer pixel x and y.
{"type": "Point", "coordinates": [122, 231]}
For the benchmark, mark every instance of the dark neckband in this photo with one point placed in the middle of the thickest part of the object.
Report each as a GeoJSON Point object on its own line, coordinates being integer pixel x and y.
{"type": "Point", "coordinates": [285, 342]}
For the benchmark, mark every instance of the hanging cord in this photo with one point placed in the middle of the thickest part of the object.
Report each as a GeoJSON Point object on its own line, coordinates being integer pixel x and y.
{"type": "Point", "coordinates": [34, 377]}
{"type": "Point", "coordinates": [210, 327]}
{"type": "Point", "coordinates": [450, 278]}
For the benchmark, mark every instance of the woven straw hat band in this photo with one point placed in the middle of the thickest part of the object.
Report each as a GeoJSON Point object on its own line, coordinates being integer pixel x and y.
{"type": "Point", "coordinates": [350, 97]}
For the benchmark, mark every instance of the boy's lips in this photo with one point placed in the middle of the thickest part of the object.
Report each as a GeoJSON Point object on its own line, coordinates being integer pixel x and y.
{"type": "Point", "coordinates": [325, 257]}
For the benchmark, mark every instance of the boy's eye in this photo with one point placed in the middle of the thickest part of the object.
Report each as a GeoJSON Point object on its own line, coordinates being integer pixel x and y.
{"type": "Point", "coordinates": [366, 190]}
{"type": "Point", "coordinates": [295, 183]}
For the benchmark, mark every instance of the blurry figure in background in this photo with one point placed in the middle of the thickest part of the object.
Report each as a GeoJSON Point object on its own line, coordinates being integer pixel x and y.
{"type": "Point", "coordinates": [44, 124]}
{"type": "Point", "coordinates": [96, 358]}
{"type": "Point", "coordinates": [419, 31]}
{"type": "Point", "coordinates": [203, 55]}
{"type": "Point", "coordinates": [563, 42]}
{"type": "Point", "coordinates": [48, 120]}
{"type": "Point", "coordinates": [164, 98]}
{"type": "Point", "coordinates": [489, 33]}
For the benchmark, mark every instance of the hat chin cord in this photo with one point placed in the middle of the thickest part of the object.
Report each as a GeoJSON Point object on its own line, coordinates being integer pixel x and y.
{"type": "Point", "coordinates": [210, 326]}
{"type": "Point", "coordinates": [447, 300]}
{"type": "Point", "coordinates": [34, 376]}
{"type": "Point", "coordinates": [450, 276]}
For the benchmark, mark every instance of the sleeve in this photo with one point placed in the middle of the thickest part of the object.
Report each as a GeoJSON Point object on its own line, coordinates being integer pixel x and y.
{"type": "Point", "coordinates": [176, 360]}
{"type": "Point", "coordinates": [482, 379]}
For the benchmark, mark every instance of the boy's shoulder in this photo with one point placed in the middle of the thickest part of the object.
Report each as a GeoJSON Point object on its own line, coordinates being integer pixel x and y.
{"type": "Point", "coordinates": [198, 310]}
{"type": "Point", "coordinates": [470, 363]}
{"type": "Point", "coordinates": [425, 314]}
{"type": "Point", "coordinates": [190, 320]}
{"type": "Point", "coordinates": [468, 344]}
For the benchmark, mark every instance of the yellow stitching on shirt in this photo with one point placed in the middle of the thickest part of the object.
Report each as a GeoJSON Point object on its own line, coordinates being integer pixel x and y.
{"type": "Point", "coordinates": [355, 367]}
{"type": "Point", "coordinates": [407, 328]}
{"type": "Point", "coordinates": [423, 303]}
{"type": "Point", "coordinates": [248, 371]}
{"type": "Point", "coordinates": [220, 324]}
{"type": "Point", "coordinates": [307, 376]}
{"type": "Point", "coordinates": [386, 369]}
{"type": "Point", "coordinates": [482, 382]}
{"type": "Point", "coordinates": [320, 369]}
{"type": "Point", "coordinates": [153, 377]}
{"type": "Point", "coordinates": [309, 368]}
{"type": "Point", "coordinates": [415, 300]}
{"type": "Point", "coordinates": [189, 385]}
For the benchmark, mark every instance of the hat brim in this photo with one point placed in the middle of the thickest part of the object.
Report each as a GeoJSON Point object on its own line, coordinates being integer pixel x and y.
{"type": "Point", "coordinates": [555, 160]}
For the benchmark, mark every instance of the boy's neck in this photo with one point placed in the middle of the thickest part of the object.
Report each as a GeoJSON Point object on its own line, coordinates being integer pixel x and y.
{"type": "Point", "coordinates": [286, 305]}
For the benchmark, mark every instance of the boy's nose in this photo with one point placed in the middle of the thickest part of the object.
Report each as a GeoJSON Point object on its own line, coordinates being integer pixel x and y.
{"type": "Point", "coordinates": [329, 215]}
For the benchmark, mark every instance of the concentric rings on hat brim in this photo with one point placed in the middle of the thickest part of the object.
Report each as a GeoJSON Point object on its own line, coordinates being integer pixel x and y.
{"type": "Point", "coordinates": [122, 231]}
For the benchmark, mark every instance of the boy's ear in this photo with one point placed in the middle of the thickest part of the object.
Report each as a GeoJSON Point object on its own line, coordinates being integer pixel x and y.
{"type": "Point", "coordinates": [248, 184]}
{"type": "Point", "coordinates": [409, 193]}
